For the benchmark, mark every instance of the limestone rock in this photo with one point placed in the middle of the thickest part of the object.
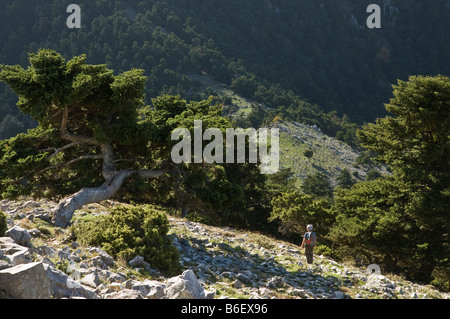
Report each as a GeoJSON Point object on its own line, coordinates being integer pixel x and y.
{"type": "Point", "coordinates": [62, 286]}
{"type": "Point", "coordinates": [20, 235]}
{"type": "Point", "coordinates": [138, 261]}
{"type": "Point", "coordinates": [185, 286]}
{"type": "Point", "coordinates": [151, 289]}
{"type": "Point", "coordinates": [124, 294]}
{"type": "Point", "coordinates": [25, 281]}
{"type": "Point", "coordinates": [13, 253]}
{"type": "Point", "coordinates": [91, 280]}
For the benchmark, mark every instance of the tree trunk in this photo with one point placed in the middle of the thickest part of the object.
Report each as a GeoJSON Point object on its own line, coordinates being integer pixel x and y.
{"type": "Point", "coordinates": [63, 212]}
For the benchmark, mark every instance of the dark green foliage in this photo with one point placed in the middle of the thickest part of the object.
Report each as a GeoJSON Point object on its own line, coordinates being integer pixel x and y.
{"type": "Point", "coordinates": [318, 185]}
{"type": "Point", "coordinates": [304, 60]}
{"type": "Point", "coordinates": [308, 153]}
{"type": "Point", "coordinates": [404, 218]}
{"type": "Point", "coordinates": [71, 100]}
{"type": "Point", "coordinates": [130, 231]}
{"type": "Point", "coordinates": [296, 210]}
{"type": "Point", "coordinates": [372, 174]}
{"type": "Point", "coordinates": [345, 179]}
{"type": "Point", "coordinates": [3, 225]}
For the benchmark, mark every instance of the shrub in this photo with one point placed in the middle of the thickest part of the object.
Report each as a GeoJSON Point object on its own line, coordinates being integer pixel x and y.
{"type": "Point", "coordinates": [130, 231]}
{"type": "Point", "coordinates": [3, 225]}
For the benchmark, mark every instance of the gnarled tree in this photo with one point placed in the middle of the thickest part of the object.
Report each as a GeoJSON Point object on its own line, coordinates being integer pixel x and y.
{"type": "Point", "coordinates": [93, 129]}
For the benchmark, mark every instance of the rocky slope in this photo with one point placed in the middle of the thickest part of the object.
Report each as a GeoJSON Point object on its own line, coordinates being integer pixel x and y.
{"type": "Point", "coordinates": [330, 156]}
{"type": "Point", "coordinates": [38, 261]}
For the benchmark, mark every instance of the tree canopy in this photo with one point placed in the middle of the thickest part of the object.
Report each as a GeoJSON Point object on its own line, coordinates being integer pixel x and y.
{"type": "Point", "coordinates": [93, 129]}
{"type": "Point", "coordinates": [405, 217]}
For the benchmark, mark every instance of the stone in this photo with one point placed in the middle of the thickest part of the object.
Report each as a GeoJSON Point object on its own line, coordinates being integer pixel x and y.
{"type": "Point", "coordinates": [13, 253]}
{"type": "Point", "coordinates": [123, 294]}
{"type": "Point", "coordinates": [91, 280]}
{"type": "Point", "coordinates": [237, 284]}
{"type": "Point", "coordinates": [150, 289]}
{"type": "Point", "coordinates": [339, 295]}
{"type": "Point", "coordinates": [62, 286]}
{"type": "Point", "coordinates": [138, 262]}
{"type": "Point", "coordinates": [185, 286]}
{"type": "Point", "coordinates": [105, 258]}
{"type": "Point", "coordinates": [20, 235]}
{"type": "Point", "coordinates": [244, 278]}
{"type": "Point", "coordinates": [46, 251]}
{"type": "Point", "coordinates": [20, 257]}
{"type": "Point", "coordinates": [26, 281]}
{"type": "Point", "coordinates": [275, 282]}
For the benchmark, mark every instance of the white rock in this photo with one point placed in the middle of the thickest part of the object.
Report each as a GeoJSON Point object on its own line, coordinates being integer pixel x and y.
{"type": "Point", "coordinates": [185, 286]}
{"type": "Point", "coordinates": [91, 280]}
{"type": "Point", "coordinates": [26, 281]}
{"type": "Point", "coordinates": [20, 235]}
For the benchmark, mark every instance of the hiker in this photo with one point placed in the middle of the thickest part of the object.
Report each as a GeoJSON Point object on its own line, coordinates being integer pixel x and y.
{"type": "Point", "coordinates": [309, 241]}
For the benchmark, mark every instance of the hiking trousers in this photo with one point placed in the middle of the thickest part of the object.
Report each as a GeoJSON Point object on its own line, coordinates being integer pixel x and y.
{"type": "Point", "coordinates": [309, 253]}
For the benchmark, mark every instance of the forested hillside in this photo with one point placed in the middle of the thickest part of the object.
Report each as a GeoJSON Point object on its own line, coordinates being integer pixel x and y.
{"type": "Point", "coordinates": [298, 59]}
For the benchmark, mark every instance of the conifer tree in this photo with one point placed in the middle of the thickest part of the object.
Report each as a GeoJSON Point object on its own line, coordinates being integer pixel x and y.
{"type": "Point", "coordinates": [93, 134]}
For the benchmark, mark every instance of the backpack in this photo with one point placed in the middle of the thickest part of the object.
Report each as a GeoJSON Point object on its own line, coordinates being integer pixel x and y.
{"type": "Point", "coordinates": [310, 238]}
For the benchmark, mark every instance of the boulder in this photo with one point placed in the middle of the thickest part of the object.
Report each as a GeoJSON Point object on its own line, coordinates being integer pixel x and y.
{"type": "Point", "coordinates": [123, 294]}
{"type": "Point", "coordinates": [276, 282]}
{"type": "Point", "coordinates": [62, 286]}
{"type": "Point", "coordinates": [20, 235]}
{"type": "Point", "coordinates": [14, 254]}
{"type": "Point", "coordinates": [91, 280]}
{"type": "Point", "coordinates": [150, 289]}
{"type": "Point", "coordinates": [244, 279]}
{"type": "Point", "coordinates": [107, 259]}
{"type": "Point", "coordinates": [25, 281]}
{"type": "Point", "coordinates": [185, 286]}
{"type": "Point", "coordinates": [138, 261]}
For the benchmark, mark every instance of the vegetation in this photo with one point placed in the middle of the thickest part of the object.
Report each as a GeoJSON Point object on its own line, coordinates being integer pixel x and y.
{"type": "Point", "coordinates": [314, 63]}
{"type": "Point", "coordinates": [94, 130]}
{"type": "Point", "coordinates": [3, 225]}
{"type": "Point", "coordinates": [83, 131]}
{"type": "Point", "coordinates": [399, 221]}
{"type": "Point", "coordinates": [128, 232]}
{"type": "Point", "coordinates": [415, 145]}
{"type": "Point", "coordinates": [296, 210]}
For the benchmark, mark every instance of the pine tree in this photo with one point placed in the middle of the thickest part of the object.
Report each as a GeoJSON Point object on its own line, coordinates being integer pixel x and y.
{"type": "Point", "coordinates": [415, 143]}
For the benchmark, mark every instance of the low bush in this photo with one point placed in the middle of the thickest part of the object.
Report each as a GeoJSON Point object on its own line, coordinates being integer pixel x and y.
{"type": "Point", "coordinates": [129, 231]}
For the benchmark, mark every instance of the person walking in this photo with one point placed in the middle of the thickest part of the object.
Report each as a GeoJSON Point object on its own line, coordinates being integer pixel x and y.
{"type": "Point", "coordinates": [309, 242]}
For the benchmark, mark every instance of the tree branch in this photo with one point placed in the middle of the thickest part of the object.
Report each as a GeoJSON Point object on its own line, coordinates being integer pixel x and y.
{"type": "Point", "coordinates": [150, 173]}
{"type": "Point", "coordinates": [81, 158]}
{"type": "Point", "coordinates": [58, 150]}
{"type": "Point", "coordinates": [81, 139]}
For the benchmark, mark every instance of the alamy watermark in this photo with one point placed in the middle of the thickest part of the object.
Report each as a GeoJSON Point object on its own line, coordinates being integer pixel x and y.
{"type": "Point", "coordinates": [373, 269]}
{"type": "Point", "coordinates": [374, 20]}
{"type": "Point", "coordinates": [74, 19]}
{"type": "Point", "coordinates": [236, 141]}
